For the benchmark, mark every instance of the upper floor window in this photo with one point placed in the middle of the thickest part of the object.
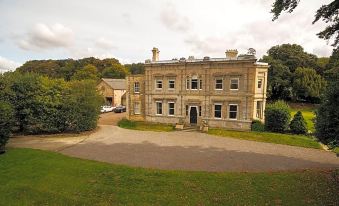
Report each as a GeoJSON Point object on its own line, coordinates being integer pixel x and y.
{"type": "Point", "coordinates": [136, 87]}
{"type": "Point", "coordinates": [233, 111]}
{"type": "Point", "coordinates": [234, 84]}
{"type": "Point", "coordinates": [217, 111]}
{"type": "Point", "coordinates": [158, 84]}
{"type": "Point", "coordinates": [194, 84]}
{"type": "Point", "coordinates": [136, 107]}
{"type": "Point", "coordinates": [200, 84]}
{"type": "Point", "coordinates": [260, 83]}
{"type": "Point", "coordinates": [218, 84]}
{"type": "Point", "coordinates": [187, 84]}
{"type": "Point", "coordinates": [171, 84]}
{"type": "Point", "coordinates": [159, 108]}
{"type": "Point", "coordinates": [171, 109]}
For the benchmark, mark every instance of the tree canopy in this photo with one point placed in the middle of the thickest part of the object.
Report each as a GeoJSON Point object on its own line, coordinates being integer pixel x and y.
{"type": "Point", "coordinates": [327, 13]}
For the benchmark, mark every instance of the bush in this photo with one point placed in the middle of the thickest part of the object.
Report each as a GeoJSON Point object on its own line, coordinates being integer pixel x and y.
{"type": "Point", "coordinates": [298, 124]}
{"type": "Point", "coordinates": [6, 123]}
{"type": "Point", "coordinates": [44, 105]}
{"type": "Point", "coordinates": [257, 126]}
{"type": "Point", "coordinates": [277, 117]}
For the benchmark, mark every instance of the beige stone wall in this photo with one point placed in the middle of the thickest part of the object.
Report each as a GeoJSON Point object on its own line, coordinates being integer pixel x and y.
{"type": "Point", "coordinates": [118, 97]}
{"type": "Point", "coordinates": [106, 91]}
{"type": "Point", "coordinates": [132, 97]}
{"type": "Point", "coordinates": [203, 98]}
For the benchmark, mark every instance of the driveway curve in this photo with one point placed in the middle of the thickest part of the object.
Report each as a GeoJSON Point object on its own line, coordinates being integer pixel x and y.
{"type": "Point", "coordinates": [178, 150]}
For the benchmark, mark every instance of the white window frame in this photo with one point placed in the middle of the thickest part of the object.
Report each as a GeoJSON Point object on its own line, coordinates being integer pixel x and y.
{"type": "Point", "coordinates": [197, 80]}
{"type": "Point", "coordinates": [156, 84]}
{"type": "Point", "coordinates": [259, 111]}
{"type": "Point", "coordinates": [169, 88]}
{"type": "Point", "coordinates": [261, 84]}
{"type": "Point", "coordinates": [169, 108]}
{"type": "Point", "coordinates": [222, 84]}
{"type": "Point", "coordinates": [162, 111]}
{"type": "Point", "coordinates": [231, 84]}
{"type": "Point", "coordinates": [139, 108]}
{"type": "Point", "coordinates": [217, 104]}
{"type": "Point", "coordinates": [229, 111]}
{"type": "Point", "coordinates": [138, 87]}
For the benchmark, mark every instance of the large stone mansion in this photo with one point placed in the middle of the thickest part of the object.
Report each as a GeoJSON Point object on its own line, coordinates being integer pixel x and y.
{"type": "Point", "coordinates": [227, 92]}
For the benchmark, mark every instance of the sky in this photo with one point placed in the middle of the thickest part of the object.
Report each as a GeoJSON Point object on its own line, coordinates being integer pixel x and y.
{"type": "Point", "coordinates": [129, 29]}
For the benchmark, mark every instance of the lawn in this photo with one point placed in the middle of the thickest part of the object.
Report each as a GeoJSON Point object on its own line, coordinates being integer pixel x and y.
{"type": "Point", "coordinates": [34, 177]}
{"type": "Point", "coordinates": [277, 138]}
{"type": "Point", "coordinates": [146, 126]}
{"type": "Point", "coordinates": [307, 111]}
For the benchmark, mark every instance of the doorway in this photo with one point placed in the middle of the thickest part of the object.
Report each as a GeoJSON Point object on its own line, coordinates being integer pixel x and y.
{"type": "Point", "coordinates": [193, 115]}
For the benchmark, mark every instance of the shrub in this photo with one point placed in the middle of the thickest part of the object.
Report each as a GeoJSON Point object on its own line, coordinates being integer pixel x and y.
{"type": "Point", "coordinates": [277, 116]}
{"type": "Point", "coordinates": [298, 124]}
{"type": "Point", "coordinates": [6, 123]}
{"type": "Point", "coordinates": [257, 126]}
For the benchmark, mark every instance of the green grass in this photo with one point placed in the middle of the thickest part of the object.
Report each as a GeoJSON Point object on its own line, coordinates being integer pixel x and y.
{"type": "Point", "coordinates": [336, 150]}
{"type": "Point", "coordinates": [145, 126]}
{"type": "Point", "coordinates": [277, 138]}
{"type": "Point", "coordinates": [34, 177]}
{"type": "Point", "coordinates": [307, 111]}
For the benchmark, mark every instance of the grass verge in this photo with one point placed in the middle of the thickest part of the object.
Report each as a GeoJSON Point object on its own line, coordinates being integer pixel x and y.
{"type": "Point", "coordinates": [34, 177]}
{"type": "Point", "coordinates": [146, 126]}
{"type": "Point", "coordinates": [276, 138]}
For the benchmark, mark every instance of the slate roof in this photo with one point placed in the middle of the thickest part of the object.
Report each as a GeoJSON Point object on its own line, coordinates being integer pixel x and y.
{"type": "Point", "coordinates": [117, 84]}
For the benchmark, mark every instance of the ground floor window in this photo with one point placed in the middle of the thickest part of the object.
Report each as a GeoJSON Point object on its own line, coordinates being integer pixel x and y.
{"type": "Point", "coordinates": [136, 107]}
{"type": "Point", "coordinates": [259, 109]}
{"type": "Point", "coordinates": [233, 111]}
{"type": "Point", "coordinates": [217, 111]}
{"type": "Point", "coordinates": [159, 108]}
{"type": "Point", "coordinates": [171, 108]}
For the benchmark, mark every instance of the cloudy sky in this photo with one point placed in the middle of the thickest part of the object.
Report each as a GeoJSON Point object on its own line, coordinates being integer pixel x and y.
{"type": "Point", "coordinates": [127, 30]}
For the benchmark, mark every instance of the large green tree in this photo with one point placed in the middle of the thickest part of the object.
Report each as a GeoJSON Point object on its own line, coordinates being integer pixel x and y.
{"type": "Point", "coordinates": [88, 72]}
{"type": "Point", "coordinates": [327, 13]}
{"type": "Point", "coordinates": [307, 84]}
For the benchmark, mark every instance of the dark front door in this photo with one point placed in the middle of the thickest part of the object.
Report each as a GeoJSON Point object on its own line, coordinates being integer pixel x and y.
{"type": "Point", "coordinates": [193, 115]}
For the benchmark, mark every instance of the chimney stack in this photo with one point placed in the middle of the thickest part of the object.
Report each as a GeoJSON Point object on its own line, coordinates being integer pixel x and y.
{"type": "Point", "coordinates": [155, 52]}
{"type": "Point", "coordinates": [231, 53]}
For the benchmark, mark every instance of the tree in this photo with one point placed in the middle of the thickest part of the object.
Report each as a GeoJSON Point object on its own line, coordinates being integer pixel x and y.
{"type": "Point", "coordinates": [307, 84]}
{"type": "Point", "coordinates": [298, 124]}
{"type": "Point", "coordinates": [6, 123]}
{"type": "Point", "coordinates": [328, 13]}
{"type": "Point", "coordinates": [327, 115]}
{"type": "Point", "coordinates": [277, 116]}
{"type": "Point", "coordinates": [284, 60]}
{"type": "Point", "coordinates": [135, 68]}
{"type": "Point", "coordinates": [116, 72]}
{"type": "Point", "coordinates": [88, 72]}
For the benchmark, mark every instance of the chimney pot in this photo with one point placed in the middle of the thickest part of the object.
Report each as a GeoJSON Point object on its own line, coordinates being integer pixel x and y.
{"type": "Point", "coordinates": [231, 53]}
{"type": "Point", "coordinates": [155, 56]}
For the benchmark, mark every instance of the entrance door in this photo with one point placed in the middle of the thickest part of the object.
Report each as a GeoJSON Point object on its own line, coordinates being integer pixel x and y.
{"type": "Point", "coordinates": [193, 115]}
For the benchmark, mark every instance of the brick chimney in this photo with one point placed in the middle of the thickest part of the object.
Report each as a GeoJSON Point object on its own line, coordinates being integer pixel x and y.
{"type": "Point", "coordinates": [231, 53]}
{"type": "Point", "coordinates": [155, 52]}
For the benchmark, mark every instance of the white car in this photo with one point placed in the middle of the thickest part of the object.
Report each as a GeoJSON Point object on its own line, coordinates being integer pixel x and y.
{"type": "Point", "coordinates": [106, 109]}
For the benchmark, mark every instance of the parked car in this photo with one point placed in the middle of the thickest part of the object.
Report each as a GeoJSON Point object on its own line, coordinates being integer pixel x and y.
{"type": "Point", "coordinates": [106, 109]}
{"type": "Point", "coordinates": [120, 109]}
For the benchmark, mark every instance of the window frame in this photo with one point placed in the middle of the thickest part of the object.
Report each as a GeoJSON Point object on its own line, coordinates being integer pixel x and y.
{"type": "Point", "coordinates": [261, 83]}
{"type": "Point", "coordinates": [169, 83]}
{"type": "Point", "coordinates": [197, 83]}
{"type": "Point", "coordinates": [234, 78]}
{"type": "Point", "coordinates": [169, 109]}
{"type": "Point", "coordinates": [222, 84]}
{"type": "Point", "coordinates": [214, 110]}
{"type": "Point", "coordinates": [188, 84]}
{"type": "Point", "coordinates": [134, 110]}
{"type": "Point", "coordinates": [156, 84]}
{"type": "Point", "coordinates": [200, 84]}
{"type": "Point", "coordinates": [260, 116]}
{"type": "Point", "coordinates": [136, 83]}
{"type": "Point", "coordinates": [229, 111]}
{"type": "Point", "coordinates": [156, 112]}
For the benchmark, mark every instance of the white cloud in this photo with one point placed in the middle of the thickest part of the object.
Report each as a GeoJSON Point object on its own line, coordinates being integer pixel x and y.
{"type": "Point", "coordinates": [173, 20]}
{"type": "Point", "coordinates": [43, 36]}
{"type": "Point", "coordinates": [7, 65]}
{"type": "Point", "coordinates": [104, 43]}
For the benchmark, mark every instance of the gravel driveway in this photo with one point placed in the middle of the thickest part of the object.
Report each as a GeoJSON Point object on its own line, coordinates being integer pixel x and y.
{"type": "Point", "coordinates": [182, 151]}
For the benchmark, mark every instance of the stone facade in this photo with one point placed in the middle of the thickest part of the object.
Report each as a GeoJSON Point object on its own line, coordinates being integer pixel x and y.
{"type": "Point", "coordinates": [113, 90]}
{"type": "Point", "coordinates": [224, 92]}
